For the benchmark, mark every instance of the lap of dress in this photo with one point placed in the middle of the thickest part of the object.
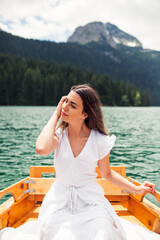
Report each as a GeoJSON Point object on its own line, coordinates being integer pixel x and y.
{"type": "Point", "coordinates": [90, 222]}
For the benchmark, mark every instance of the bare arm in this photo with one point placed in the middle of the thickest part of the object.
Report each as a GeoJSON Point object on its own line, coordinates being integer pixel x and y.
{"type": "Point", "coordinates": [47, 141]}
{"type": "Point", "coordinates": [117, 179]}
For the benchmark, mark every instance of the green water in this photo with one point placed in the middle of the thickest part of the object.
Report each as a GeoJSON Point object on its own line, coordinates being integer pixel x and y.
{"type": "Point", "coordinates": [137, 145]}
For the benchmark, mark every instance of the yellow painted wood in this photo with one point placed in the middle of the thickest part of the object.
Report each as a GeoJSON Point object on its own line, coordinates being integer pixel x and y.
{"type": "Point", "coordinates": [157, 196]}
{"type": "Point", "coordinates": [17, 190]}
{"type": "Point", "coordinates": [37, 171]}
{"type": "Point", "coordinates": [36, 198]}
{"type": "Point", "coordinates": [109, 188]}
{"type": "Point", "coordinates": [156, 226]}
{"type": "Point", "coordinates": [124, 213]}
{"type": "Point", "coordinates": [32, 215]}
{"type": "Point", "coordinates": [4, 212]}
{"type": "Point", "coordinates": [117, 198]}
{"type": "Point", "coordinates": [14, 212]}
{"type": "Point", "coordinates": [4, 220]}
{"type": "Point", "coordinates": [42, 185]}
{"type": "Point", "coordinates": [152, 206]}
{"type": "Point", "coordinates": [6, 205]}
{"type": "Point", "coordinates": [19, 209]}
{"type": "Point", "coordinates": [143, 213]}
{"type": "Point", "coordinates": [131, 207]}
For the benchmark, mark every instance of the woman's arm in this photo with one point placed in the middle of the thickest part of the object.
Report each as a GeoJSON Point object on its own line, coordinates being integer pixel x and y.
{"type": "Point", "coordinates": [117, 179]}
{"type": "Point", "coordinates": [47, 141]}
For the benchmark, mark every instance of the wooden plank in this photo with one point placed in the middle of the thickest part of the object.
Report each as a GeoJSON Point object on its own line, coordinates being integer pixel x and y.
{"type": "Point", "coordinates": [156, 226]}
{"type": "Point", "coordinates": [124, 213]}
{"type": "Point", "coordinates": [4, 212]}
{"type": "Point", "coordinates": [42, 186]}
{"type": "Point", "coordinates": [17, 190]}
{"type": "Point", "coordinates": [30, 216]}
{"type": "Point", "coordinates": [37, 198]}
{"type": "Point", "coordinates": [37, 171]}
{"type": "Point", "coordinates": [113, 199]}
{"type": "Point", "coordinates": [4, 220]}
{"type": "Point", "coordinates": [19, 209]}
{"type": "Point", "coordinates": [11, 214]}
{"type": "Point", "coordinates": [123, 169]}
{"type": "Point", "coordinates": [152, 206]}
{"type": "Point", "coordinates": [145, 215]}
{"type": "Point", "coordinates": [6, 205]}
{"type": "Point", "coordinates": [109, 188]}
{"type": "Point", "coordinates": [5, 209]}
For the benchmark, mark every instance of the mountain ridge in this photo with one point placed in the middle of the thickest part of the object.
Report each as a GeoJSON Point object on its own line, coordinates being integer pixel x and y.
{"type": "Point", "coordinates": [131, 64]}
{"type": "Point", "coordinates": [100, 32]}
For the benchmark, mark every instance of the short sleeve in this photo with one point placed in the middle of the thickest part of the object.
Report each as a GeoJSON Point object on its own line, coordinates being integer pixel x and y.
{"type": "Point", "coordinates": [105, 144]}
{"type": "Point", "coordinates": [59, 134]}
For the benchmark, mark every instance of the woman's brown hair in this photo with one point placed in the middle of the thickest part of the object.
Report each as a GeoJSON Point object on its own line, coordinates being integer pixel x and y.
{"type": "Point", "coordinates": [91, 106]}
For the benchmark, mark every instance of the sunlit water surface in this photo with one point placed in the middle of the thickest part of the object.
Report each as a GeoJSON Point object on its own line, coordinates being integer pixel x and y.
{"type": "Point", "coordinates": [137, 145]}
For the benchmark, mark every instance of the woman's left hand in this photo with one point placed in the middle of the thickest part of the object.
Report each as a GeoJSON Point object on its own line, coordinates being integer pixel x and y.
{"type": "Point", "coordinates": [145, 187]}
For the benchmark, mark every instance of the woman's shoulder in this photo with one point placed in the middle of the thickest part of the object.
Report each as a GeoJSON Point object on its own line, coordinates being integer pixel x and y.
{"type": "Point", "coordinates": [60, 132]}
{"type": "Point", "coordinates": [102, 136]}
{"type": "Point", "coordinates": [104, 143]}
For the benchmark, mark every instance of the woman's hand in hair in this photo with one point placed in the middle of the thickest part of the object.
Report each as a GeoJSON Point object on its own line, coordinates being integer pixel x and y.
{"type": "Point", "coordinates": [59, 106]}
{"type": "Point", "coordinates": [48, 141]}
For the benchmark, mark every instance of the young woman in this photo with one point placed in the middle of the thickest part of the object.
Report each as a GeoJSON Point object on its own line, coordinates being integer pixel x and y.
{"type": "Point", "coordinates": [75, 207]}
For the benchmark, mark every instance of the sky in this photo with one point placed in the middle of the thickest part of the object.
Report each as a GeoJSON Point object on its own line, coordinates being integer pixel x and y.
{"type": "Point", "coordinates": [56, 20]}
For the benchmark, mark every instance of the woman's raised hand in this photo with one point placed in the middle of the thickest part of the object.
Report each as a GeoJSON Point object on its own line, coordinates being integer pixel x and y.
{"type": "Point", "coordinates": [59, 106]}
{"type": "Point", "coordinates": [145, 187]}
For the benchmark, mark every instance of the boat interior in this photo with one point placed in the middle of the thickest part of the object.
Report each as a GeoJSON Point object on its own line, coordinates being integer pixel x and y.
{"type": "Point", "coordinates": [28, 194]}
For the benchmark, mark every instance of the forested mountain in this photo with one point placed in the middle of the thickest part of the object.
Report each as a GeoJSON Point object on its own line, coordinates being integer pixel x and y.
{"type": "Point", "coordinates": [35, 82]}
{"type": "Point", "coordinates": [120, 62]}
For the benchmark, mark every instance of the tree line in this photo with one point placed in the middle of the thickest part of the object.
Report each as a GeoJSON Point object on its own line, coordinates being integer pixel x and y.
{"type": "Point", "coordinates": [35, 82]}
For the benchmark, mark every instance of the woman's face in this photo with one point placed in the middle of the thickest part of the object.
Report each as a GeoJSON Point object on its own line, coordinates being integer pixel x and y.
{"type": "Point", "coordinates": [72, 109]}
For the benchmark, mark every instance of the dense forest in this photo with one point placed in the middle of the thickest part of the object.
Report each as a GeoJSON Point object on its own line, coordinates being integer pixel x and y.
{"type": "Point", "coordinates": [132, 65]}
{"type": "Point", "coordinates": [35, 82]}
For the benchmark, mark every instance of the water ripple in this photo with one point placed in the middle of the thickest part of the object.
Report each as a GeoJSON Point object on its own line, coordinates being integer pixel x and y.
{"type": "Point", "coordinates": [137, 145]}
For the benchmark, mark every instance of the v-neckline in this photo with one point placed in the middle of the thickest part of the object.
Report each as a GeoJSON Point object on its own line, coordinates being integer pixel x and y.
{"type": "Point", "coordinates": [82, 148]}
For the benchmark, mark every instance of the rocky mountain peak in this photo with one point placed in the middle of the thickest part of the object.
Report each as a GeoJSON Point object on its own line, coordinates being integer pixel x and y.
{"type": "Point", "coordinates": [100, 32]}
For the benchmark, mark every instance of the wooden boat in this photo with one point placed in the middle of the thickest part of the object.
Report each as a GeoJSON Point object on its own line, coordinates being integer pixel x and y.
{"type": "Point", "coordinates": [28, 194]}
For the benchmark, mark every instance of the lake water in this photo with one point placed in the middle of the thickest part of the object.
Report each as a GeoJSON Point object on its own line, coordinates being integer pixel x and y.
{"type": "Point", "coordinates": [137, 146]}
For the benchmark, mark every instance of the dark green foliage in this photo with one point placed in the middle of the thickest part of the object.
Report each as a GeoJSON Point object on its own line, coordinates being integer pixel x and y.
{"type": "Point", "coordinates": [132, 65]}
{"type": "Point", "coordinates": [33, 82]}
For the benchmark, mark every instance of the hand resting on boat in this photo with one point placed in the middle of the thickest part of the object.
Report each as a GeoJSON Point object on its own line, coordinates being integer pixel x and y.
{"type": "Point", "coordinates": [117, 179]}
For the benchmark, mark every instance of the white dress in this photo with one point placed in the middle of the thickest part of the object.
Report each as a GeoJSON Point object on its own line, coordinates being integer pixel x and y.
{"type": "Point", "coordinates": [75, 207]}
